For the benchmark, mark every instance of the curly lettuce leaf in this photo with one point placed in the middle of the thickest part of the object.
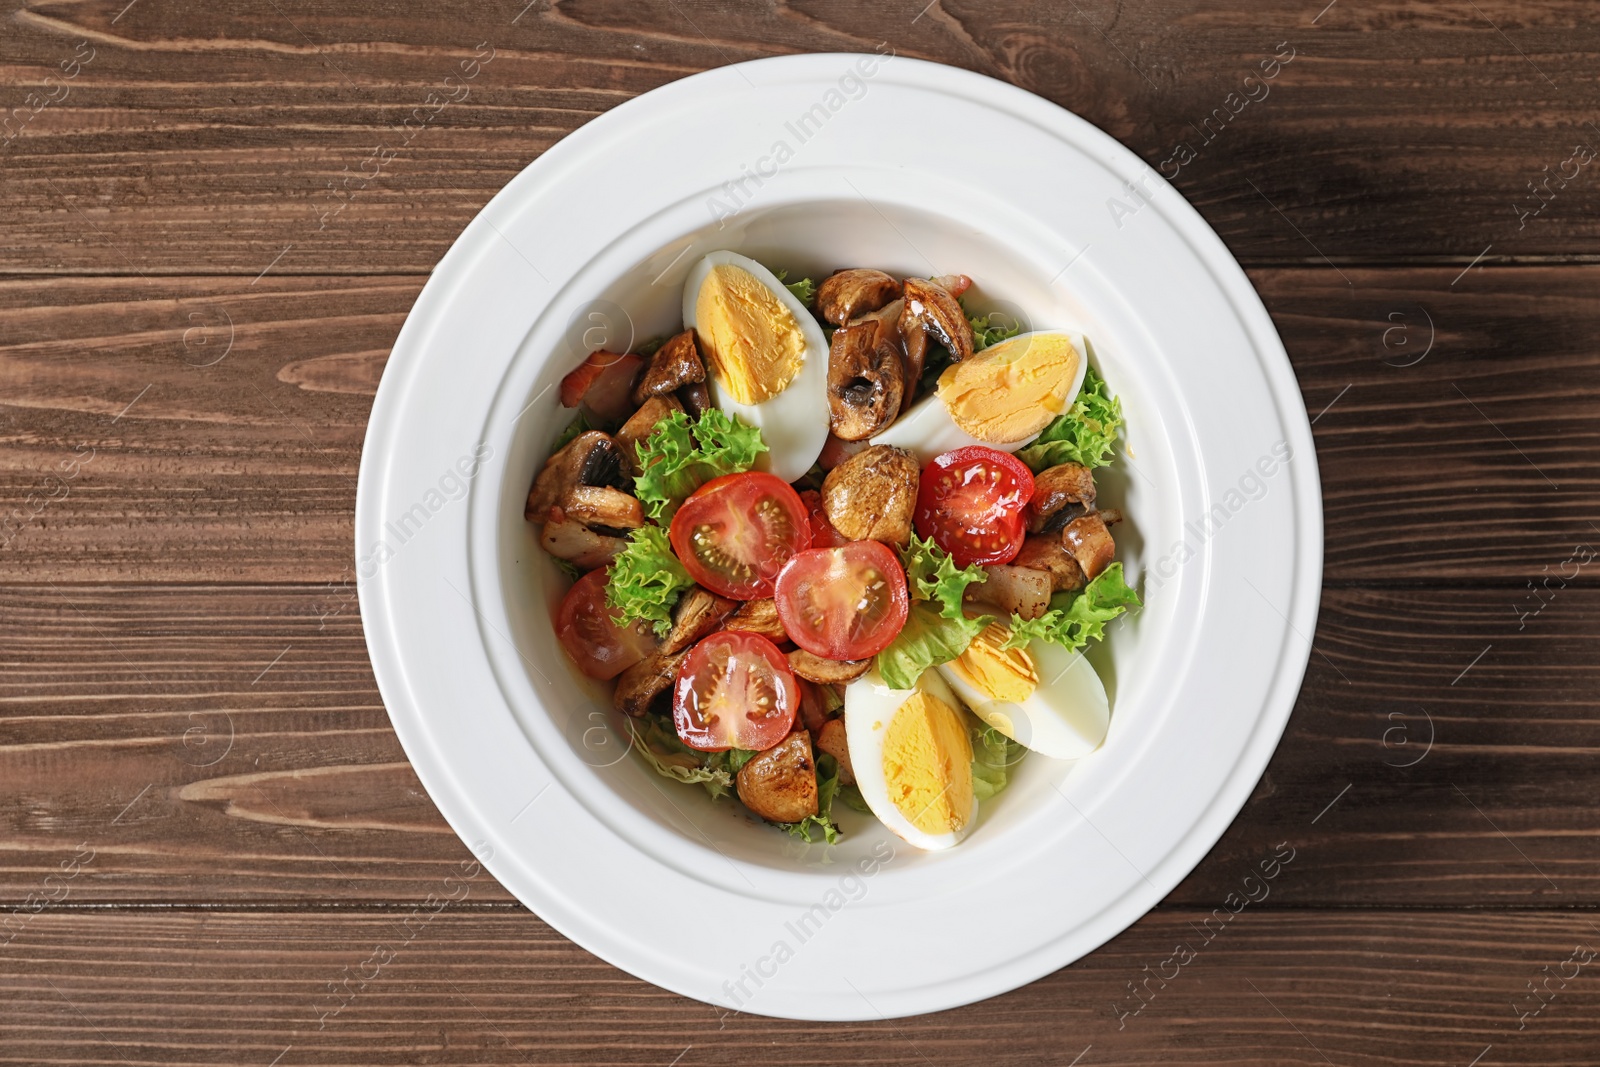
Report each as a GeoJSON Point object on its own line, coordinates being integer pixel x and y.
{"type": "Point", "coordinates": [1075, 618]}
{"type": "Point", "coordinates": [933, 576]}
{"type": "Point", "coordinates": [993, 756]}
{"type": "Point", "coordinates": [1085, 433]}
{"type": "Point", "coordinates": [647, 579]}
{"type": "Point", "coordinates": [990, 329]}
{"type": "Point", "coordinates": [822, 821]}
{"type": "Point", "coordinates": [804, 290]}
{"type": "Point", "coordinates": [851, 795]}
{"type": "Point", "coordinates": [681, 455]}
{"type": "Point", "coordinates": [928, 639]}
{"type": "Point", "coordinates": [656, 740]}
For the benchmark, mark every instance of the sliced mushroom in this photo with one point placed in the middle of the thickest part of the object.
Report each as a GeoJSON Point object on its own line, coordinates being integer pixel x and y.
{"type": "Point", "coordinates": [780, 784]}
{"type": "Point", "coordinates": [574, 542]}
{"type": "Point", "coordinates": [866, 380]}
{"type": "Point", "coordinates": [699, 611]}
{"type": "Point", "coordinates": [639, 685]}
{"type": "Point", "coordinates": [640, 425]}
{"type": "Point", "coordinates": [696, 399]}
{"type": "Point", "coordinates": [675, 364]}
{"type": "Point", "coordinates": [848, 294]}
{"type": "Point", "coordinates": [814, 668]}
{"type": "Point", "coordinates": [1060, 494]}
{"type": "Point", "coordinates": [831, 739]}
{"type": "Point", "coordinates": [1046, 553]}
{"type": "Point", "coordinates": [932, 312]}
{"type": "Point", "coordinates": [758, 617]}
{"type": "Point", "coordinates": [872, 495]}
{"type": "Point", "coordinates": [603, 507]}
{"type": "Point", "coordinates": [813, 705]}
{"type": "Point", "coordinates": [591, 458]}
{"type": "Point", "coordinates": [1023, 590]}
{"type": "Point", "coordinates": [1090, 543]}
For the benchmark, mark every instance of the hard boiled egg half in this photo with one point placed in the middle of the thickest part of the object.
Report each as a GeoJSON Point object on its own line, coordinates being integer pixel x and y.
{"type": "Point", "coordinates": [766, 357]}
{"type": "Point", "coordinates": [1001, 397]}
{"type": "Point", "coordinates": [912, 758]}
{"type": "Point", "coordinates": [1046, 698]}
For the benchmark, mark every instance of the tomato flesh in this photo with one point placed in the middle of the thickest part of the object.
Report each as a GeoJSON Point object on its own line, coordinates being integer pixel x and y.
{"type": "Point", "coordinates": [970, 503]}
{"type": "Point", "coordinates": [847, 602]}
{"type": "Point", "coordinates": [735, 533]}
{"type": "Point", "coordinates": [734, 690]}
{"type": "Point", "coordinates": [594, 635]}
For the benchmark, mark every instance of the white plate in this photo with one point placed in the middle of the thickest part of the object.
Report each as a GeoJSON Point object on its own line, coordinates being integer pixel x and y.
{"type": "Point", "coordinates": [918, 169]}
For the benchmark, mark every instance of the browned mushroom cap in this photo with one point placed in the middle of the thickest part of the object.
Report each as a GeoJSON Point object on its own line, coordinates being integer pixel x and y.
{"type": "Point", "coordinates": [1060, 494]}
{"type": "Point", "coordinates": [639, 685]}
{"type": "Point", "coordinates": [1047, 553]}
{"type": "Point", "coordinates": [758, 617]}
{"type": "Point", "coordinates": [931, 310]}
{"type": "Point", "coordinates": [602, 506]}
{"type": "Point", "coordinates": [574, 542]}
{"type": "Point", "coordinates": [814, 668]}
{"type": "Point", "coordinates": [699, 612]}
{"type": "Point", "coordinates": [847, 294]}
{"type": "Point", "coordinates": [1090, 543]}
{"type": "Point", "coordinates": [591, 458]}
{"type": "Point", "coordinates": [780, 784]}
{"type": "Point", "coordinates": [696, 399]}
{"type": "Point", "coordinates": [866, 380]}
{"type": "Point", "coordinates": [871, 496]}
{"type": "Point", "coordinates": [676, 363]}
{"type": "Point", "coordinates": [640, 425]}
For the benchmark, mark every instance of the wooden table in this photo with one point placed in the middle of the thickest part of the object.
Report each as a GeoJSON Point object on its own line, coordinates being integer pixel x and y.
{"type": "Point", "coordinates": [215, 847]}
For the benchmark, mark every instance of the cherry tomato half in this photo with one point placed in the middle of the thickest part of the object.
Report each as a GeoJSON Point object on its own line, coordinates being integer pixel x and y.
{"type": "Point", "coordinates": [970, 504]}
{"type": "Point", "coordinates": [736, 532]}
{"type": "Point", "coordinates": [593, 635]}
{"type": "Point", "coordinates": [847, 602]}
{"type": "Point", "coordinates": [734, 690]}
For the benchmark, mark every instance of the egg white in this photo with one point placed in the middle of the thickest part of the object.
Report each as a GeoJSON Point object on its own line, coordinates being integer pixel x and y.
{"type": "Point", "coordinates": [1065, 718]}
{"type": "Point", "coordinates": [927, 429]}
{"type": "Point", "coordinates": [869, 705]}
{"type": "Point", "coordinates": [794, 424]}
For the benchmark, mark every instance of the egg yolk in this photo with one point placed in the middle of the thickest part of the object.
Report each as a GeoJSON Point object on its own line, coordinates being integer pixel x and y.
{"type": "Point", "coordinates": [1013, 390]}
{"type": "Point", "coordinates": [1005, 674]}
{"type": "Point", "coordinates": [927, 764]}
{"type": "Point", "coordinates": [752, 343]}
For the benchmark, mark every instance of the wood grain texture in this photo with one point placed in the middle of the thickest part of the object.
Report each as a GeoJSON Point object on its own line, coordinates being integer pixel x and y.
{"type": "Point", "coordinates": [206, 140]}
{"type": "Point", "coordinates": [207, 466]}
{"type": "Point", "coordinates": [1396, 989]}
{"type": "Point", "coordinates": [229, 744]}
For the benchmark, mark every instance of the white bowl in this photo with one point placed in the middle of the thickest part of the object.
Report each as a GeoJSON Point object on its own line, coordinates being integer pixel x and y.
{"type": "Point", "coordinates": [588, 248]}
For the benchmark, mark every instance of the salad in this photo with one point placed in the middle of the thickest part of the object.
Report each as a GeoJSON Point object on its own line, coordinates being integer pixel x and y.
{"type": "Point", "coordinates": [839, 542]}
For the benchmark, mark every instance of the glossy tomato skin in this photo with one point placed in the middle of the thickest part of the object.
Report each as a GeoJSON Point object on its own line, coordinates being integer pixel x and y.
{"type": "Point", "coordinates": [734, 690]}
{"type": "Point", "coordinates": [735, 533]}
{"type": "Point", "coordinates": [594, 636]}
{"type": "Point", "coordinates": [970, 503]}
{"type": "Point", "coordinates": [845, 603]}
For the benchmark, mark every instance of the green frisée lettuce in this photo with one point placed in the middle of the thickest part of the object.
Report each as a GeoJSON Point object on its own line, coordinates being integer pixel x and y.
{"type": "Point", "coordinates": [936, 629]}
{"type": "Point", "coordinates": [647, 579]}
{"type": "Point", "coordinates": [681, 455]}
{"type": "Point", "coordinates": [577, 426]}
{"type": "Point", "coordinates": [822, 822]}
{"type": "Point", "coordinates": [1085, 433]}
{"type": "Point", "coordinates": [990, 330]}
{"type": "Point", "coordinates": [1077, 617]}
{"type": "Point", "coordinates": [993, 756]}
{"type": "Point", "coordinates": [804, 290]}
{"type": "Point", "coordinates": [656, 740]}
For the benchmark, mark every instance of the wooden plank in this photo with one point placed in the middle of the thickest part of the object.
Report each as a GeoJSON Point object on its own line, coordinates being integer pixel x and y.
{"type": "Point", "coordinates": [192, 141]}
{"type": "Point", "coordinates": [228, 744]}
{"type": "Point", "coordinates": [190, 460]}
{"type": "Point", "coordinates": [1392, 988]}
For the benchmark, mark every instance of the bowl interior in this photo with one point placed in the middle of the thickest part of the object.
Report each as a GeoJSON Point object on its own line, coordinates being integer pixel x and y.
{"type": "Point", "coordinates": [1015, 273]}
